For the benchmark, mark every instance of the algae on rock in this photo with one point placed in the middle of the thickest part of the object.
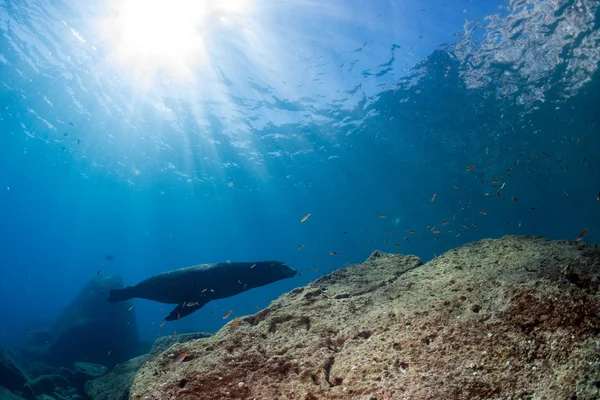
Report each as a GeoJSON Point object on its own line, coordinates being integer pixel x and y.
{"type": "Point", "coordinates": [517, 317]}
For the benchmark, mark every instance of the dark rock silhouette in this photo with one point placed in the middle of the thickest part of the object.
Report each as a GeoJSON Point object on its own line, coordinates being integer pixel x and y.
{"type": "Point", "coordinates": [88, 330]}
{"type": "Point", "coordinates": [12, 377]}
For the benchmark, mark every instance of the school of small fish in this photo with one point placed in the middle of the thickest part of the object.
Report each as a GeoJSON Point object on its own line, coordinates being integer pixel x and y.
{"type": "Point", "coordinates": [498, 190]}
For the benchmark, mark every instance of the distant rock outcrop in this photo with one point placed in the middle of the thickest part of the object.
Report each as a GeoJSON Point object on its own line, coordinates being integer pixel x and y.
{"type": "Point", "coordinates": [517, 317]}
{"type": "Point", "coordinates": [88, 329]}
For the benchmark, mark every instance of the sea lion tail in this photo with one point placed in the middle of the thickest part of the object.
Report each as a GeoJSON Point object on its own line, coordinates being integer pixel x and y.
{"type": "Point", "coordinates": [116, 295]}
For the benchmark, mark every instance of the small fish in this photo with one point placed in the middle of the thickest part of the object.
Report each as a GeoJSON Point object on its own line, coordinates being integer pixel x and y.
{"type": "Point", "coordinates": [519, 224]}
{"type": "Point", "coordinates": [204, 290]}
{"type": "Point", "coordinates": [465, 226]}
{"type": "Point", "coordinates": [190, 304]}
{"type": "Point", "coordinates": [433, 198]}
{"type": "Point", "coordinates": [130, 308]}
{"type": "Point", "coordinates": [227, 314]}
{"type": "Point", "coordinates": [470, 167]}
{"type": "Point", "coordinates": [567, 193]}
{"type": "Point", "coordinates": [300, 246]}
{"type": "Point", "coordinates": [482, 213]}
{"type": "Point", "coordinates": [108, 353]}
{"type": "Point", "coordinates": [461, 298]}
{"type": "Point", "coordinates": [598, 197]}
{"type": "Point", "coordinates": [180, 359]}
{"type": "Point", "coordinates": [70, 123]}
{"type": "Point", "coordinates": [456, 187]}
{"type": "Point", "coordinates": [405, 238]}
{"type": "Point", "coordinates": [581, 235]}
{"type": "Point", "coordinates": [98, 273]}
{"type": "Point", "coordinates": [382, 216]}
{"type": "Point", "coordinates": [333, 253]}
{"type": "Point", "coordinates": [474, 224]}
{"type": "Point", "coordinates": [513, 198]}
{"type": "Point", "coordinates": [109, 257]}
{"type": "Point", "coordinates": [162, 323]}
{"type": "Point", "coordinates": [503, 184]}
{"type": "Point", "coordinates": [444, 222]}
{"type": "Point", "coordinates": [305, 217]}
{"type": "Point", "coordinates": [252, 266]}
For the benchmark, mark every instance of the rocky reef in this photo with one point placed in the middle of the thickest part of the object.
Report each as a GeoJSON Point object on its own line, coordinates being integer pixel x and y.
{"type": "Point", "coordinates": [517, 317]}
{"type": "Point", "coordinates": [66, 361]}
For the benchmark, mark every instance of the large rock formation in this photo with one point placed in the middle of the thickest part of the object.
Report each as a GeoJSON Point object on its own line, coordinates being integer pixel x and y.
{"type": "Point", "coordinates": [517, 317]}
{"type": "Point", "coordinates": [89, 329]}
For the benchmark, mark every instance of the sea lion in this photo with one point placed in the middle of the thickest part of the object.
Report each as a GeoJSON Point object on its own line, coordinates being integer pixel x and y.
{"type": "Point", "coordinates": [192, 287]}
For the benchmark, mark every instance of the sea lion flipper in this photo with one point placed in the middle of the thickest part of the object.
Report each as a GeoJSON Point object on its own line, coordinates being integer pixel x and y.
{"type": "Point", "coordinates": [183, 309]}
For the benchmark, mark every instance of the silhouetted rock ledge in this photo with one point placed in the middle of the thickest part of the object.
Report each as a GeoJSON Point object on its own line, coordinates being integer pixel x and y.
{"type": "Point", "coordinates": [512, 318]}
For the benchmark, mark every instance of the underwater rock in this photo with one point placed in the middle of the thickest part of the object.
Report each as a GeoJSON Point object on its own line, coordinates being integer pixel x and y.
{"type": "Point", "coordinates": [517, 317]}
{"type": "Point", "coordinates": [116, 385]}
{"type": "Point", "coordinates": [6, 394]}
{"type": "Point", "coordinates": [90, 371]}
{"type": "Point", "coordinates": [163, 343]}
{"type": "Point", "coordinates": [93, 330]}
{"type": "Point", "coordinates": [46, 384]}
{"type": "Point", "coordinates": [12, 376]}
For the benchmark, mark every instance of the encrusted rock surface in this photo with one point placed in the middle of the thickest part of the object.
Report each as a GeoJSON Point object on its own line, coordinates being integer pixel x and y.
{"type": "Point", "coordinates": [90, 371]}
{"type": "Point", "coordinates": [517, 317]}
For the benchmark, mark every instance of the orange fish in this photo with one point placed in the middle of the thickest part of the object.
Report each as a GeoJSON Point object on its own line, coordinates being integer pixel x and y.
{"type": "Point", "coordinates": [305, 217]}
{"type": "Point", "coordinates": [227, 314]}
{"type": "Point", "coordinates": [582, 234]}
{"type": "Point", "coordinates": [180, 359]}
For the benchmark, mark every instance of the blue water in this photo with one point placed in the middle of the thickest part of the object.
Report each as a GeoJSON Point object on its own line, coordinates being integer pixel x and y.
{"type": "Point", "coordinates": [349, 111]}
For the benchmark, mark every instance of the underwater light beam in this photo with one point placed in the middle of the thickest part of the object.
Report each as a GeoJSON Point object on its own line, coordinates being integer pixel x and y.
{"type": "Point", "coordinates": [151, 36]}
